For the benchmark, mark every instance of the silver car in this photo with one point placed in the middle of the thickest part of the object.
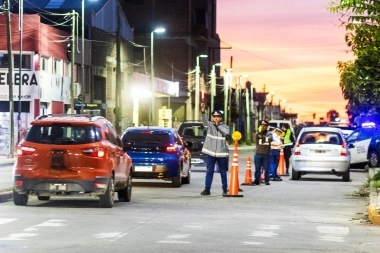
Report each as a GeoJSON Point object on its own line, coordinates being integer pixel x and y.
{"type": "Point", "coordinates": [321, 150]}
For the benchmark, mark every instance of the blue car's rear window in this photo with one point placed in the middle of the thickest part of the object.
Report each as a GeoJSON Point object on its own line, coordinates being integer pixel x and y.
{"type": "Point", "coordinates": [148, 137]}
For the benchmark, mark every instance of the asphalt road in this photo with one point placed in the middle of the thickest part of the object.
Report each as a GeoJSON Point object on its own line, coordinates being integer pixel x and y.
{"type": "Point", "coordinates": [315, 214]}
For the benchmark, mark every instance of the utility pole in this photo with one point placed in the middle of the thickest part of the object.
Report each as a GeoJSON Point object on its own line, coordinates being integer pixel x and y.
{"type": "Point", "coordinates": [118, 75]}
{"type": "Point", "coordinates": [248, 120]}
{"type": "Point", "coordinates": [72, 62]}
{"type": "Point", "coordinates": [20, 27]}
{"type": "Point", "coordinates": [9, 80]}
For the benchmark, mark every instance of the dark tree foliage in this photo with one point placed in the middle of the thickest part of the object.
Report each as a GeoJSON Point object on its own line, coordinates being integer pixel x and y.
{"type": "Point", "coordinates": [360, 79]}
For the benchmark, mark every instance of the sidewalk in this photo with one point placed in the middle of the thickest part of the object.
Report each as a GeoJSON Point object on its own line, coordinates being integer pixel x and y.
{"type": "Point", "coordinates": [241, 148]}
{"type": "Point", "coordinates": [6, 193]}
{"type": "Point", "coordinates": [6, 161]}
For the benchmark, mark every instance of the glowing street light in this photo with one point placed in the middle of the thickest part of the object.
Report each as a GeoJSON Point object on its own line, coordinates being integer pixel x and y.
{"type": "Point", "coordinates": [157, 30]}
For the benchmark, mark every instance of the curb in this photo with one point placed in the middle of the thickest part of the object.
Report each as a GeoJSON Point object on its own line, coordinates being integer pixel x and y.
{"type": "Point", "coordinates": [7, 161]}
{"type": "Point", "coordinates": [373, 209]}
{"type": "Point", "coordinates": [250, 148]}
{"type": "Point", "coordinates": [5, 195]}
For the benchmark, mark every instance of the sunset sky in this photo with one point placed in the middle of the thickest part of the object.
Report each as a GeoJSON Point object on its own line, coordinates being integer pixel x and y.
{"type": "Point", "coordinates": [291, 46]}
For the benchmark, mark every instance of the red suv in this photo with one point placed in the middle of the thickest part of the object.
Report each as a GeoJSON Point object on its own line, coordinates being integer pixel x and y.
{"type": "Point", "coordinates": [65, 154]}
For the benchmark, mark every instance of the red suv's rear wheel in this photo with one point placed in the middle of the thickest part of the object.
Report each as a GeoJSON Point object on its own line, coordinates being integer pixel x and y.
{"type": "Point", "coordinates": [107, 199]}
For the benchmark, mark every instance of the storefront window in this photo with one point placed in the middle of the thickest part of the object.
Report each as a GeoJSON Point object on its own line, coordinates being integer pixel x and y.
{"type": "Point", "coordinates": [3, 60]}
{"type": "Point", "coordinates": [26, 61]}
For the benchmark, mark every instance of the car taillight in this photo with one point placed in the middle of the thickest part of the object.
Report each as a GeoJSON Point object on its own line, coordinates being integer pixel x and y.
{"type": "Point", "coordinates": [343, 151]}
{"type": "Point", "coordinates": [25, 150]}
{"type": "Point", "coordinates": [18, 183]}
{"type": "Point", "coordinates": [297, 150]}
{"type": "Point", "coordinates": [94, 152]}
{"type": "Point", "coordinates": [170, 149]}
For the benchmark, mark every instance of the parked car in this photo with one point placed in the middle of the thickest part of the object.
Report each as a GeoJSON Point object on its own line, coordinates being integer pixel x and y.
{"type": "Point", "coordinates": [278, 123]}
{"type": "Point", "coordinates": [345, 127]}
{"type": "Point", "coordinates": [321, 150]}
{"type": "Point", "coordinates": [373, 153]}
{"type": "Point", "coordinates": [358, 143]}
{"type": "Point", "coordinates": [195, 133]}
{"type": "Point", "coordinates": [158, 153]}
{"type": "Point", "coordinates": [72, 154]}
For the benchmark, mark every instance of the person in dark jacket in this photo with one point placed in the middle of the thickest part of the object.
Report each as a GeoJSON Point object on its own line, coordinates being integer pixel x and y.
{"type": "Point", "coordinates": [262, 155]}
{"type": "Point", "coordinates": [216, 149]}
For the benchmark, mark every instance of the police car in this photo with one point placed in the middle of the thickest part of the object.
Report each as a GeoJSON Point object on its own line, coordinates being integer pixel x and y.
{"type": "Point", "coordinates": [359, 144]}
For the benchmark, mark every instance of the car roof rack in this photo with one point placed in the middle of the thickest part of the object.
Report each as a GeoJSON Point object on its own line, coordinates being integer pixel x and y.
{"type": "Point", "coordinates": [90, 117]}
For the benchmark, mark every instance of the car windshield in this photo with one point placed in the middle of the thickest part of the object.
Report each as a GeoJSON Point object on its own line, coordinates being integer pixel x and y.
{"type": "Point", "coordinates": [193, 131]}
{"type": "Point", "coordinates": [320, 137]}
{"type": "Point", "coordinates": [63, 134]}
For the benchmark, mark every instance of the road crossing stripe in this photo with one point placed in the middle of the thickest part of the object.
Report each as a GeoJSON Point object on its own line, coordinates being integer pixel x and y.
{"type": "Point", "coordinates": [7, 220]}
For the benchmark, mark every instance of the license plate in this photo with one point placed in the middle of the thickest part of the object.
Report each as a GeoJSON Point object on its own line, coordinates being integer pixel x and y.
{"type": "Point", "coordinates": [58, 187]}
{"type": "Point", "coordinates": [197, 160]}
{"type": "Point", "coordinates": [143, 168]}
{"type": "Point", "coordinates": [320, 151]}
{"type": "Point", "coordinates": [57, 159]}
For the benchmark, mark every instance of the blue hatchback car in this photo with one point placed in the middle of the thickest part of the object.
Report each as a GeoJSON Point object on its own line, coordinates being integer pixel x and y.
{"type": "Point", "coordinates": [158, 153]}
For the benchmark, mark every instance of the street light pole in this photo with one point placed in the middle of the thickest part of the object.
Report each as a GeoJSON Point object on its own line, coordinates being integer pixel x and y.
{"type": "Point", "coordinates": [213, 85]}
{"type": "Point", "coordinates": [82, 82]}
{"type": "Point", "coordinates": [153, 88]}
{"type": "Point", "coordinates": [227, 89]}
{"type": "Point", "coordinates": [197, 76]}
{"type": "Point", "coordinates": [20, 27]}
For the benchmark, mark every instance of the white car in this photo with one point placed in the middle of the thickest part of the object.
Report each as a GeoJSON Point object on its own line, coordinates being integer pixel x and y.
{"type": "Point", "coordinates": [358, 143]}
{"type": "Point", "coordinates": [321, 150]}
{"type": "Point", "coordinates": [278, 123]}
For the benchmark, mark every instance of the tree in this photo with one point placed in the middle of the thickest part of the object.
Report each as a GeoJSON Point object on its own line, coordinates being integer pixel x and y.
{"type": "Point", "coordinates": [360, 79]}
{"type": "Point", "coordinates": [332, 115]}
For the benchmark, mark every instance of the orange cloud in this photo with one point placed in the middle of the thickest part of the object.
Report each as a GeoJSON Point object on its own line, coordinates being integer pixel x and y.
{"type": "Point", "coordinates": [290, 46]}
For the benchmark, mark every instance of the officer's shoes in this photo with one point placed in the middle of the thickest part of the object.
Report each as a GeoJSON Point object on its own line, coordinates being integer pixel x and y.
{"type": "Point", "coordinates": [205, 192]}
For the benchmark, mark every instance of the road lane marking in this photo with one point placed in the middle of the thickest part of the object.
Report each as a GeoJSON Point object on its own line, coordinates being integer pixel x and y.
{"type": "Point", "coordinates": [176, 239]}
{"type": "Point", "coordinates": [17, 237]}
{"type": "Point", "coordinates": [269, 227]}
{"type": "Point", "coordinates": [118, 237]}
{"type": "Point", "coordinates": [7, 220]}
{"type": "Point", "coordinates": [263, 234]}
{"type": "Point", "coordinates": [49, 223]}
{"type": "Point", "coordinates": [253, 243]}
{"type": "Point", "coordinates": [333, 234]}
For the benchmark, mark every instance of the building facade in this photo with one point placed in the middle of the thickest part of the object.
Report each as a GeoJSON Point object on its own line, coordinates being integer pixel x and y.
{"type": "Point", "coordinates": [190, 31]}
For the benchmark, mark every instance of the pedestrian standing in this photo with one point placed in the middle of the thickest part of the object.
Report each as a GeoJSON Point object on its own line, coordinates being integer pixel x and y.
{"type": "Point", "coordinates": [262, 154]}
{"type": "Point", "coordinates": [216, 149]}
{"type": "Point", "coordinates": [267, 119]}
{"type": "Point", "coordinates": [288, 145]}
{"type": "Point", "coordinates": [275, 154]}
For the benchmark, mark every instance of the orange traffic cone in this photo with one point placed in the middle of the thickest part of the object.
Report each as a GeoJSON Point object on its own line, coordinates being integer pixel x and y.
{"type": "Point", "coordinates": [281, 164]}
{"type": "Point", "coordinates": [248, 173]}
{"type": "Point", "coordinates": [234, 180]}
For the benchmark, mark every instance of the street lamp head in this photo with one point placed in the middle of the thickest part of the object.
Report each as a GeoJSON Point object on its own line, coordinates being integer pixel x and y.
{"type": "Point", "coordinates": [218, 64]}
{"type": "Point", "coordinates": [203, 56]}
{"type": "Point", "coordinates": [159, 30]}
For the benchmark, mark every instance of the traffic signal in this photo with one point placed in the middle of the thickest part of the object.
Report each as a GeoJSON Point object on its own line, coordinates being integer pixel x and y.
{"type": "Point", "coordinates": [68, 50]}
{"type": "Point", "coordinates": [313, 115]}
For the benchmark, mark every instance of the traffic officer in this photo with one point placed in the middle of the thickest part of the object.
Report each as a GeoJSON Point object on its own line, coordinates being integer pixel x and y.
{"type": "Point", "coordinates": [215, 147]}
